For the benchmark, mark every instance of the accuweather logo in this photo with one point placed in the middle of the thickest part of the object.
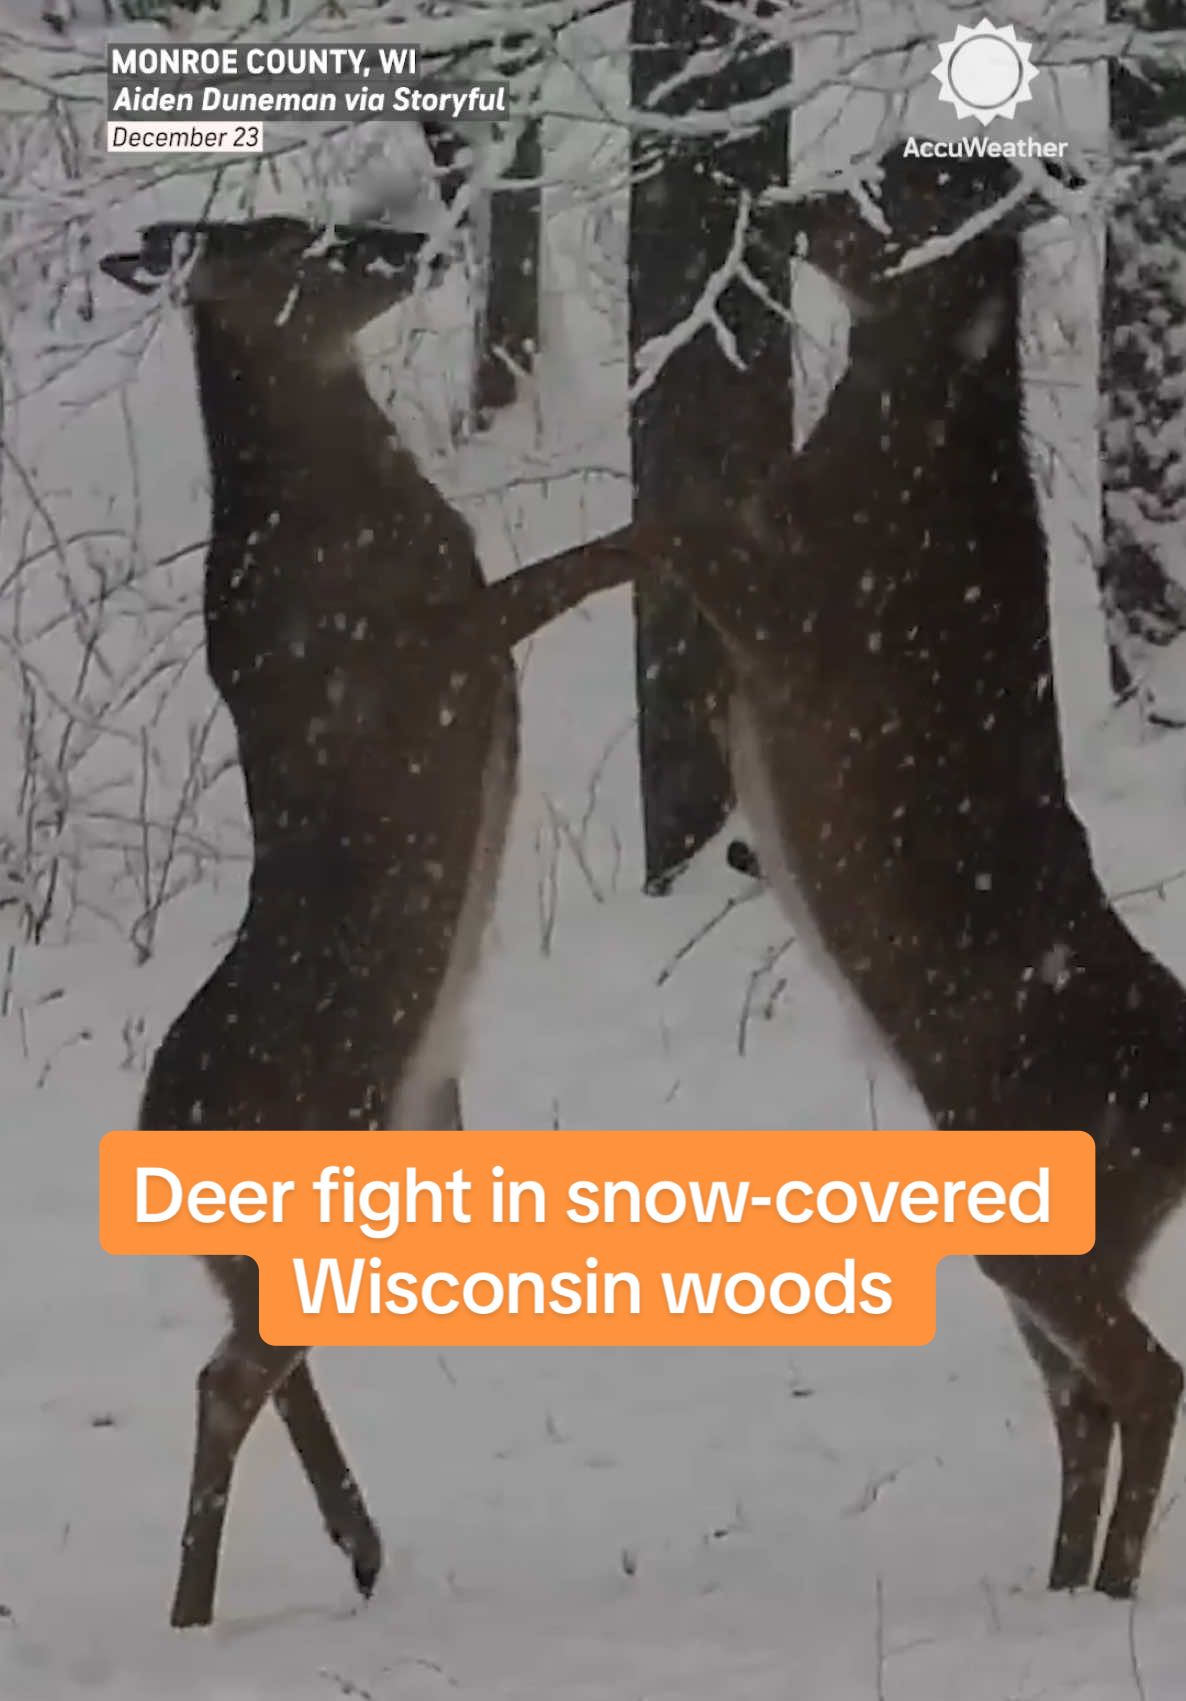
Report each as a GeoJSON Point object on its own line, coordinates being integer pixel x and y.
{"type": "Point", "coordinates": [985, 72]}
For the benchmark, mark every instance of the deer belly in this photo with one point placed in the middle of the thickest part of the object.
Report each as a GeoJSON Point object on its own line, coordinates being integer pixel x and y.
{"type": "Point", "coordinates": [752, 783]}
{"type": "Point", "coordinates": [438, 1059]}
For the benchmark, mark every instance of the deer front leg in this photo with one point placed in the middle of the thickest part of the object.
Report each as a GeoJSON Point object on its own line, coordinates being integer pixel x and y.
{"type": "Point", "coordinates": [511, 610]}
{"type": "Point", "coordinates": [338, 1496]}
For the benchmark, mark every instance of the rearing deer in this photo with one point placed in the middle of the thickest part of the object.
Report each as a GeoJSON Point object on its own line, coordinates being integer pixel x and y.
{"type": "Point", "coordinates": [896, 743]}
{"type": "Point", "coordinates": [367, 670]}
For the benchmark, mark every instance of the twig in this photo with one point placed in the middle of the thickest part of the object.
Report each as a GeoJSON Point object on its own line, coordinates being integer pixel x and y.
{"type": "Point", "coordinates": [547, 886]}
{"type": "Point", "coordinates": [879, 1639]}
{"type": "Point", "coordinates": [702, 933]}
{"type": "Point", "coordinates": [1156, 886]}
{"type": "Point", "coordinates": [575, 840]}
{"type": "Point", "coordinates": [1133, 1655]}
{"type": "Point", "coordinates": [772, 957]}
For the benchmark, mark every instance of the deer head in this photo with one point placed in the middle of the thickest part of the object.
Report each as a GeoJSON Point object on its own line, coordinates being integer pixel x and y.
{"type": "Point", "coordinates": [880, 239]}
{"type": "Point", "coordinates": [278, 274]}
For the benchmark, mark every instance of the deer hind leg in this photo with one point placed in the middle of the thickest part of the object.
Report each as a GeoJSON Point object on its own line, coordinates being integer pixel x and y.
{"type": "Point", "coordinates": [1084, 1426]}
{"type": "Point", "coordinates": [1130, 1373]}
{"type": "Point", "coordinates": [232, 1388]}
{"type": "Point", "coordinates": [244, 1373]}
{"type": "Point", "coordinates": [1145, 1438]}
{"type": "Point", "coordinates": [330, 1477]}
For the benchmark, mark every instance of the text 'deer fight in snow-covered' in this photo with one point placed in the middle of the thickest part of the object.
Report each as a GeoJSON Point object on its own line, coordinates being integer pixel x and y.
{"type": "Point", "coordinates": [693, 1238]}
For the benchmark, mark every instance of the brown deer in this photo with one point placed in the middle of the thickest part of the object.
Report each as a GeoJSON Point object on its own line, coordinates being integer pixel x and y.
{"type": "Point", "coordinates": [367, 670]}
{"type": "Point", "coordinates": [895, 740]}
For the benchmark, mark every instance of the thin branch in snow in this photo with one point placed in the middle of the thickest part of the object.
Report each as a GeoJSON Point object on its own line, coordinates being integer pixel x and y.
{"type": "Point", "coordinates": [879, 1639]}
{"type": "Point", "coordinates": [1134, 1660]}
{"type": "Point", "coordinates": [871, 1492]}
{"type": "Point", "coordinates": [1155, 888]}
{"type": "Point", "coordinates": [702, 933]}
{"type": "Point", "coordinates": [565, 832]}
{"type": "Point", "coordinates": [547, 889]}
{"type": "Point", "coordinates": [772, 957]}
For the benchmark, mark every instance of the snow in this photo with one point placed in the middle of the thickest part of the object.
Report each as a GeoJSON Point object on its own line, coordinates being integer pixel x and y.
{"type": "Point", "coordinates": [638, 1525]}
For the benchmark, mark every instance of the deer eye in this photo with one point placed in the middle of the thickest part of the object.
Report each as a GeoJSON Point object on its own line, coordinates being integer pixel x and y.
{"type": "Point", "coordinates": [157, 252]}
{"type": "Point", "coordinates": [166, 247]}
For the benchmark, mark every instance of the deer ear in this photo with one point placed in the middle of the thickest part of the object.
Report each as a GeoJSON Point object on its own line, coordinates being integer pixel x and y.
{"type": "Point", "coordinates": [983, 329]}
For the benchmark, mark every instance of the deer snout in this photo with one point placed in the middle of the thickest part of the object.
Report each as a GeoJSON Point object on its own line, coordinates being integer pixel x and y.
{"type": "Point", "coordinates": [131, 271]}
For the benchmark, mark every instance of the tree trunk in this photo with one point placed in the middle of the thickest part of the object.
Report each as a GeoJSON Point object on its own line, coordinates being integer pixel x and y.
{"type": "Point", "coordinates": [510, 328]}
{"type": "Point", "coordinates": [683, 216]}
{"type": "Point", "coordinates": [1143, 369]}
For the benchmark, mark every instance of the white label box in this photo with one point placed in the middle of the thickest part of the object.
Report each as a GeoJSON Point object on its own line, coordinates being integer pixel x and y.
{"type": "Point", "coordinates": [193, 137]}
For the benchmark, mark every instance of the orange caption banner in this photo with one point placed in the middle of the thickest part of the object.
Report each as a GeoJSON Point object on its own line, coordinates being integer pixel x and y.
{"type": "Point", "coordinates": [743, 1238]}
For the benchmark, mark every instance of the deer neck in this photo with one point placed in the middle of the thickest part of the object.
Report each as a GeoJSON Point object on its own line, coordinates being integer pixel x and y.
{"type": "Point", "coordinates": [956, 341]}
{"type": "Point", "coordinates": [280, 420]}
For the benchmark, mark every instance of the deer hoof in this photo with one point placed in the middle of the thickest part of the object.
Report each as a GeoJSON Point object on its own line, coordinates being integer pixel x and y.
{"type": "Point", "coordinates": [739, 856]}
{"type": "Point", "coordinates": [366, 1561]}
{"type": "Point", "coordinates": [1116, 1588]}
{"type": "Point", "coordinates": [186, 1616]}
{"type": "Point", "coordinates": [365, 1578]}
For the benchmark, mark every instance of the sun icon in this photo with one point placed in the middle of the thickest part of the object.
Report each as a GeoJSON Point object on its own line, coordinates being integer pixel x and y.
{"type": "Point", "coordinates": [985, 72]}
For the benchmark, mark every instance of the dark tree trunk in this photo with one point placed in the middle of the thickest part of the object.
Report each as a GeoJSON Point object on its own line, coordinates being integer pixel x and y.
{"type": "Point", "coordinates": [1144, 364]}
{"type": "Point", "coordinates": [683, 217]}
{"type": "Point", "coordinates": [510, 328]}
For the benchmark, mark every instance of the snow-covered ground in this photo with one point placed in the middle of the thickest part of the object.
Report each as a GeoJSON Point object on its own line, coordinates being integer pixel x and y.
{"type": "Point", "coordinates": [634, 1524]}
